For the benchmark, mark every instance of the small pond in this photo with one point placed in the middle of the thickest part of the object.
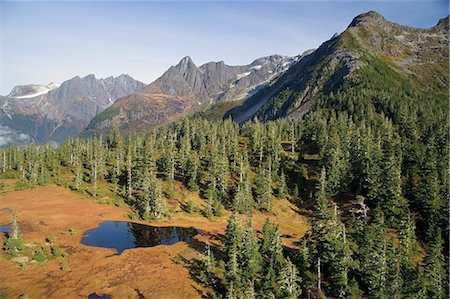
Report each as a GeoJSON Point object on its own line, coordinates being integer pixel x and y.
{"type": "Point", "coordinates": [97, 296]}
{"type": "Point", "coordinates": [122, 235]}
{"type": "Point", "coordinates": [5, 228]}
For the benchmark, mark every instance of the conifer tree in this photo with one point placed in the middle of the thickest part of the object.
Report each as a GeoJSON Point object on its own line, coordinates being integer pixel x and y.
{"type": "Point", "coordinates": [233, 243]}
{"type": "Point", "coordinates": [192, 169]}
{"type": "Point", "coordinates": [289, 281]}
{"type": "Point", "coordinates": [243, 199]}
{"type": "Point", "coordinates": [394, 281]}
{"type": "Point", "coordinates": [436, 283]}
{"type": "Point", "coordinates": [373, 257]}
{"type": "Point", "coordinates": [14, 244]}
{"type": "Point", "coordinates": [429, 196]}
{"type": "Point", "coordinates": [272, 252]}
{"type": "Point", "coordinates": [129, 168]}
{"type": "Point", "coordinates": [251, 257]}
{"type": "Point", "coordinates": [282, 187]}
{"type": "Point", "coordinates": [153, 206]}
{"type": "Point", "coordinates": [263, 189]}
{"type": "Point", "coordinates": [393, 202]}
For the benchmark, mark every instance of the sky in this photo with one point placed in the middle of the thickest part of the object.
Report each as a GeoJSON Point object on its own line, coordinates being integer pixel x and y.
{"type": "Point", "coordinates": [53, 41]}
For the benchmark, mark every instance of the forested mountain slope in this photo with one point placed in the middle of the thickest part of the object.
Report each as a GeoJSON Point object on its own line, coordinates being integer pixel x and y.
{"type": "Point", "coordinates": [379, 222]}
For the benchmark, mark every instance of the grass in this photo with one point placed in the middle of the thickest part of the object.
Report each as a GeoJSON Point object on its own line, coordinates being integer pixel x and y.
{"type": "Point", "coordinates": [218, 111]}
{"type": "Point", "coordinates": [108, 113]}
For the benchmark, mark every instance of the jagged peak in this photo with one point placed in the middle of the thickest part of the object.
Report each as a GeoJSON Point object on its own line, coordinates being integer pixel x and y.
{"type": "Point", "coordinates": [185, 62]}
{"type": "Point", "coordinates": [123, 77]}
{"type": "Point", "coordinates": [212, 63]}
{"type": "Point", "coordinates": [90, 76]}
{"type": "Point", "coordinates": [186, 58]}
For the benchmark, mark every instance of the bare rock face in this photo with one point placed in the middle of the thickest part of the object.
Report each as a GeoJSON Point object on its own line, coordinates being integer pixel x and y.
{"type": "Point", "coordinates": [256, 75]}
{"type": "Point", "coordinates": [216, 81]}
{"type": "Point", "coordinates": [53, 112]}
{"type": "Point", "coordinates": [184, 79]}
{"type": "Point", "coordinates": [83, 98]}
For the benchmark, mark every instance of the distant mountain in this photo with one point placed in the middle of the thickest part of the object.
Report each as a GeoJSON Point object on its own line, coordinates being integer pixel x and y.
{"type": "Point", "coordinates": [54, 112]}
{"type": "Point", "coordinates": [372, 53]}
{"type": "Point", "coordinates": [185, 88]}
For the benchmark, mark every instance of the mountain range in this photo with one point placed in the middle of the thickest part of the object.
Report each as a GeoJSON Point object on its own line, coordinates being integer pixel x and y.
{"type": "Point", "coordinates": [371, 49]}
{"type": "Point", "coordinates": [186, 88]}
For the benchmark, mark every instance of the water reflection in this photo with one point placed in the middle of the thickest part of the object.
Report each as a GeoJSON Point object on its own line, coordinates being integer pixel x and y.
{"type": "Point", "coordinates": [96, 296]}
{"type": "Point", "coordinates": [122, 235]}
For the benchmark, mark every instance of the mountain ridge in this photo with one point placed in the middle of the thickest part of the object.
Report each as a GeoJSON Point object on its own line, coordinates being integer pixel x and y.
{"type": "Point", "coordinates": [184, 89]}
{"type": "Point", "coordinates": [269, 88]}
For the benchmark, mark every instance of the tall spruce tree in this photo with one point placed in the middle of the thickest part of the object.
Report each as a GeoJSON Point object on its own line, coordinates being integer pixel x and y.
{"type": "Point", "coordinates": [435, 273]}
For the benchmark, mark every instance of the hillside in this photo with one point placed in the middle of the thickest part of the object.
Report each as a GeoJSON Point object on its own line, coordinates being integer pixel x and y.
{"type": "Point", "coordinates": [367, 51]}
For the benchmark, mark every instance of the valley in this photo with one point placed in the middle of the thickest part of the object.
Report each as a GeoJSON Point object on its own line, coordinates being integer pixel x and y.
{"type": "Point", "coordinates": [318, 175]}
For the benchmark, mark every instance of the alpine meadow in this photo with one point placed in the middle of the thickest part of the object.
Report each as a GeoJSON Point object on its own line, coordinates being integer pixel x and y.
{"type": "Point", "coordinates": [323, 174]}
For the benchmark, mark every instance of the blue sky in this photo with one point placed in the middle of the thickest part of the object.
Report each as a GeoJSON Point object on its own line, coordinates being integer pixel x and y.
{"type": "Point", "coordinates": [53, 41]}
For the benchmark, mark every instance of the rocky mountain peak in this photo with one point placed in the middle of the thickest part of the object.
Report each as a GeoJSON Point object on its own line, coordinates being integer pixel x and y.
{"type": "Point", "coordinates": [124, 76]}
{"type": "Point", "coordinates": [186, 64]}
{"type": "Point", "coordinates": [90, 78]}
{"type": "Point", "coordinates": [370, 17]}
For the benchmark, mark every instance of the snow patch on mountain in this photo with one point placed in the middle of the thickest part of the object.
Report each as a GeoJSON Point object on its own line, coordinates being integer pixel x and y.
{"type": "Point", "coordinates": [256, 67]}
{"type": "Point", "coordinates": [240, 76]}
